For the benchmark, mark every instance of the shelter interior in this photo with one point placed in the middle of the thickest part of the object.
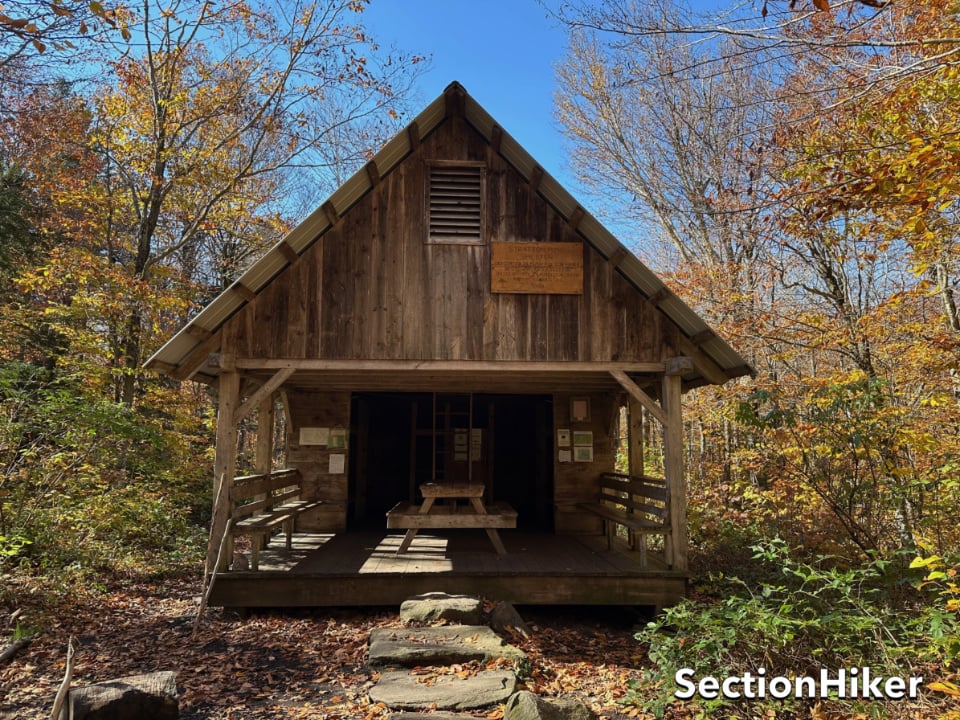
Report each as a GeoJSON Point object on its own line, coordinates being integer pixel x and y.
{"type": "Point", "coordinates": [403, 440]}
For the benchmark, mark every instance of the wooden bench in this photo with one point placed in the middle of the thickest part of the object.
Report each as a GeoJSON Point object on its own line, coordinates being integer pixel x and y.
{"type": "Point", "coordinates": [259, 504]}
{"type": "Point", "coordinates": [638, 504]}
{"type": "Point", "coordinates": [411, 517]}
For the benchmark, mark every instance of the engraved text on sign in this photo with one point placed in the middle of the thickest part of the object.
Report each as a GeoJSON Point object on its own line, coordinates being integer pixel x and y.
{"type": "Point", "coordinates": [536, 267]}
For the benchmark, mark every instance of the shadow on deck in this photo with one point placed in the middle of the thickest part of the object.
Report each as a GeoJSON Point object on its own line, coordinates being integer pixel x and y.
{"type": "Point", "coordinates": [363, 568]}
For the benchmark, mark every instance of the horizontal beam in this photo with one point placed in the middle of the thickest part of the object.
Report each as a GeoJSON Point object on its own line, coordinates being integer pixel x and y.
{"type": "Point", "coordinates": [465, 366]}
{"type": "Point", "coordinates": [289, 589]}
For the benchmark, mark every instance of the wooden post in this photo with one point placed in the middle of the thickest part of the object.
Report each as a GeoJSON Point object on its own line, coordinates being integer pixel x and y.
{"type": "Point", "coordinates": [673, 468]}
{"type": "Point", "coordinates": [635, 437]}
{"type": "Point", "coordinates": [224, 465]}
{"type": "Point", "coordinates": [265, 425]}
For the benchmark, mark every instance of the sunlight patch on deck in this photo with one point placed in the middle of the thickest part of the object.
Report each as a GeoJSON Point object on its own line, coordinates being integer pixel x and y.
{"type": "Point", "coordinates": [427, 553]}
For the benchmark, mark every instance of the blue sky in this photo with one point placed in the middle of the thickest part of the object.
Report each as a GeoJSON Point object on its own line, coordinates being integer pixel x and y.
{"type": "Point", "coordinates": [501, 51]}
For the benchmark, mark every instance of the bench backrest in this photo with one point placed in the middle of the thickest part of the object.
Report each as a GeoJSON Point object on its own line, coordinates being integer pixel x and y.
{"type": "Point", "coordinates": [642, 496]}
{"type": "Point", "coordinates": [256, 493]}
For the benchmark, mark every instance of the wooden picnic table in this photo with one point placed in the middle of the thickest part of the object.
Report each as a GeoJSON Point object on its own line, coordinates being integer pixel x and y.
{"type": "Point", "coordinates": [430, 515]}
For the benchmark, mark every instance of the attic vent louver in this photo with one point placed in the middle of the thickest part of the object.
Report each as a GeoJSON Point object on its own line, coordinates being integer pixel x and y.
{"type": "Point", "coordinates": [456, 194]}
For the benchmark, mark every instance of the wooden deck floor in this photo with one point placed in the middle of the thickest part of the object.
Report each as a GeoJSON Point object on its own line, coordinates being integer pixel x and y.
{"type": "Point", "coordinates": [363, 568]}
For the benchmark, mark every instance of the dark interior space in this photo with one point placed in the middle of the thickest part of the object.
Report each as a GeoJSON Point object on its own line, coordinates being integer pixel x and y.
{"type": "Point", "coordinates": [523, 457]}
{"type": "Point", "coordinates": [400, 440]}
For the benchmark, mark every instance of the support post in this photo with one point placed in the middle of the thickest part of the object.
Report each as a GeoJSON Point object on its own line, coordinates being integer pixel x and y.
{"type": "Point", "coordinates": [224, 465]}
{"type": "Point", "coordinates": [635, 437]}
{"type": "Point", "coordinates": [673, 468]}
{"type": "Point", "coordinates": [265, 425]}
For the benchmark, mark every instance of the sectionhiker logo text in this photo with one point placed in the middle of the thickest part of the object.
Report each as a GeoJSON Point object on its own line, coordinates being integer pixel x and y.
{"type": "Point", "coordinates": [853, 683]}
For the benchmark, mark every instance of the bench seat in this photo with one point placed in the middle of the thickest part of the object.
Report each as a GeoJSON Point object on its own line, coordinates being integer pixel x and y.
{"type": "Point", "coordinates": [262, 503]}
{"type": "Point", "coordinates": [405, 516]}
{"type": "Point", "coordinates": [639, 504]}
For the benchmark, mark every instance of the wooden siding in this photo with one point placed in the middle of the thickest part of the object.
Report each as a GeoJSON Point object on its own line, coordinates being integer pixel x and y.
{"type": "Point", "coordinates": [329, 410]}
{"type": "Point", "coordinates": [373, 288]}
{"type": "Point", "coordinates": [578, 482]}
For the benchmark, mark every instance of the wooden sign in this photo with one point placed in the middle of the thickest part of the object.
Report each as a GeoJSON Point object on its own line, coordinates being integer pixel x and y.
{"type": "Point", "coordinates": [542, 268]}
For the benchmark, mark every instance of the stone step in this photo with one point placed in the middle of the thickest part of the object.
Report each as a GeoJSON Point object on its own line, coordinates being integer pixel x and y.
{"type": "Point", "coordinates": [403, 690]}
{"type": "Point", "coordinates": [438, 646]}
{"type": "Point", "coordinates": [464, 609]}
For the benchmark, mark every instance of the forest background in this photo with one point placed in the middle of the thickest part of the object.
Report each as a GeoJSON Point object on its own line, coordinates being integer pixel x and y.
{"type": "Point", "coordinates": [794, 166]}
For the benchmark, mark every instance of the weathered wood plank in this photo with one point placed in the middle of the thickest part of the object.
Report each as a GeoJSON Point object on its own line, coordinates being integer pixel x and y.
{"type": "Point", "coordinates": [288, 252]}
{"type": "Point", "coordinates": [441, 519]}
{"type": "Point", "coordinates": [466, 366]}
{"type": "Point", "coordinates": [198, 357]}
{"type": "Point", "coordinates": [329, 410]}
{"type": "Point", "coordinates": [372, 288]}
{"type": "Point", "coordinates": [289, 590]}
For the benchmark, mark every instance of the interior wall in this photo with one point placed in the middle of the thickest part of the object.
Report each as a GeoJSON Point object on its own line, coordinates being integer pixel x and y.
{"type": "Point", "coordinates": [320, 410]}
{"type": "Point", "coordinates": [577, 482]}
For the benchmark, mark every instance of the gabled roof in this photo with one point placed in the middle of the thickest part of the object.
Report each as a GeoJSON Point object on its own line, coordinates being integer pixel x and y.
{"type": "Point", "coordinates": [704, 343]}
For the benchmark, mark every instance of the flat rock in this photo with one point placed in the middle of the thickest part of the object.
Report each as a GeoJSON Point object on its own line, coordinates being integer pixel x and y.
{"type": "Point", "coordinates": [401, 690]}
{"type": "Point", "coordinates": [527, 706]}
{"type": "Point", "coordinates": [505, 620]}
{"type": "Point", "coordinates": [438, 646]}
{"type": "Point", "coordinates": [464, 609]}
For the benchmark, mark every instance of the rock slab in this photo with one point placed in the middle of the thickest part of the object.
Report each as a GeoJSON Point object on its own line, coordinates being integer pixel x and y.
{"type": "Point", "coordinates": [527, 706]}
{"type": "Point", "coordinates": [505, 620]}
{"type": "Point", "coordinates": [464, 609]}
{"type": "Point", "coordinates": [139, 697]}
{"type": "Point", "coordinates": [402, 690]}
{"type": "Point", "coordinates": [444, 645]}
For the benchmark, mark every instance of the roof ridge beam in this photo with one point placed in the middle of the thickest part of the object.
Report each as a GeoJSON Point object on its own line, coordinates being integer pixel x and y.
{"type": "Point", "coordinates": [455, 100]}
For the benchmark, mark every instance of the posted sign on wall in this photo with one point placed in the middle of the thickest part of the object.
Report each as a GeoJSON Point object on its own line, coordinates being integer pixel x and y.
{"type": "Point", "coordinates": [542, 268]}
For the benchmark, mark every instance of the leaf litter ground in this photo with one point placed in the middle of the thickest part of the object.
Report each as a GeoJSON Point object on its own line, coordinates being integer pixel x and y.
{"type": "Point", "coordinates": [292, 663]}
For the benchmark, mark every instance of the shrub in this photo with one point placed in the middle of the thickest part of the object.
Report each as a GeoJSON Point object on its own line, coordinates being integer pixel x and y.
{"type": "Point", "coordinates": [91, 483]}
{"type": "Point", "coordinates": [804, 617]}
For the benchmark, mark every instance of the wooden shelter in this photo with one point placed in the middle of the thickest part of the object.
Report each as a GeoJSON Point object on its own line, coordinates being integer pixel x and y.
{"type": "Point", "coordinates": [450, 324]}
